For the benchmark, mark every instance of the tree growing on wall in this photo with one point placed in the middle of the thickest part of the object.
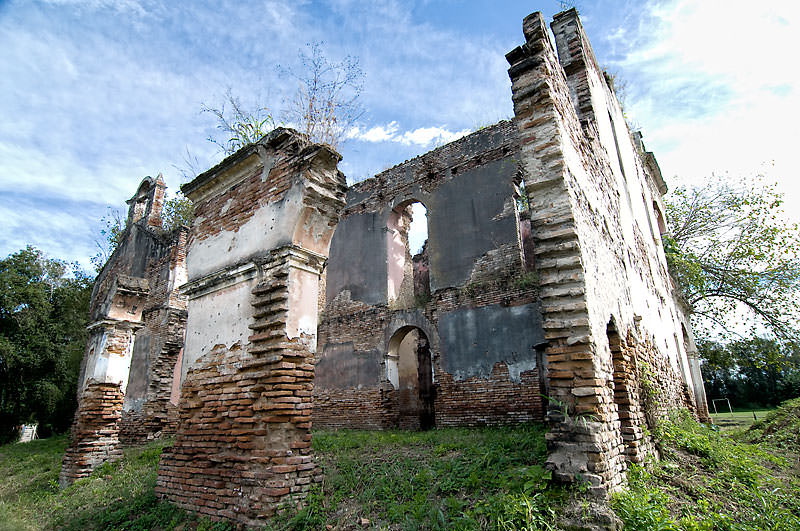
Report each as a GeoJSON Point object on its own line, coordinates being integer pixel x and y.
{"type": "Point", "coordinates": [732, 253]}
{"type": "Point", "coordinates": [327, 102]}
{"type": "Point", "coordinates": [325, 106]}
{"type": "Point", "coordinates": [44, 307]}
{"type": "Point", "coordinates": [176, 211]}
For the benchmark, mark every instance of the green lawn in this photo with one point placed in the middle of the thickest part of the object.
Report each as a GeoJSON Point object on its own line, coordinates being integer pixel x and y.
{"type": "Point", "coordinates": [454, 478]}
{"type": "Point", "coordinates": [739, 419]}
{"type": "Point", "coordinates": [482, 478]}
{"type": "Point", "coordinates": [709, 480]}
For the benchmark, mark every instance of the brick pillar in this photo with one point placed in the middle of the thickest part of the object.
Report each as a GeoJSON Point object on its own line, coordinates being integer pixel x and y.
{"type": "Point", "coordinates": [585, 442]}
{"type": "Point", "coordinates": [243, 446]}
{"type": "Point", "coordinates": [265, 217]}
{"type": "Point", "coordinates": [95, 433]}
{"type": "Point", "coordinates": [94, 436]}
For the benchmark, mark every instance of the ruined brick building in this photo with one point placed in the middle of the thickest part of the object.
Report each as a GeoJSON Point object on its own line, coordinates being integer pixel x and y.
{"type": "Point", "coordinates": [542, 292]}
{"type": "Point", "coordinates": [127, 390]}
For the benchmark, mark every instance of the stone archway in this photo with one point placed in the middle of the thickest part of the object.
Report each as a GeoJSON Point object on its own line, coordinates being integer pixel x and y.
{"type": "Point", "coordinates": [409, 368]}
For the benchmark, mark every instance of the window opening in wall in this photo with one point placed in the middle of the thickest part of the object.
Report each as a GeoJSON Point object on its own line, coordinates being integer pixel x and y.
{"type": "Point", "coordinates": [523, 216]}
{"type": "Point", "coordinates": [616, 145]}
{"type": "Point", "coordinates": [408, 269]}
{"type": "Point", "coordinates": [619, 161]}
{"type": "Point", "coordinates": [662, 227]}
{"type": "Point", "coordinates": [409, 368]}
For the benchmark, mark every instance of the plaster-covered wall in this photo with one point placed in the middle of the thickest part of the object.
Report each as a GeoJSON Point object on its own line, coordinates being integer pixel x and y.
{"type": "Point", "coordinates": [218, 318]}
{"type": "Point", "coordinates": [478, 313]}
{"type": "Point", "coordinates": [612, 193]}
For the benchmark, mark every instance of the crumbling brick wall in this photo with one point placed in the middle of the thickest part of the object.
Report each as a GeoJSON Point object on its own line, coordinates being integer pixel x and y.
{"type": "Point", "coordinates": [591, 194]}
{"type": "Point", "coordinates": [137, 330]}
{"type": "Point", "coordinates": [478, 307]}
{"type": "Point", "coordinates": [543, 274]}
{"type": "Point", "coordinates": [264, 219]}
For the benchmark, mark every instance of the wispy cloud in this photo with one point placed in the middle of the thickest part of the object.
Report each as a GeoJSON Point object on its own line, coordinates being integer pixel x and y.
{"type": "Point", "coordinates": [421, 136]}
{"type": "Point", "coordinates": [96, 94]}
{"type": "Point", "coordinates": [714, 87]}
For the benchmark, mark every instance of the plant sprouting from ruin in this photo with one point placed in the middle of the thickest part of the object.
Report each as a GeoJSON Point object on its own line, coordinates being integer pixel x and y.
{"type": "Point", "coordinates": [239, 125]}
{"type": "Point", "coordinates": [177, 211]}
{"type": "Point", "coordinates": [113, 225]}
{"type": "Point", "coordinates": [326, 104]}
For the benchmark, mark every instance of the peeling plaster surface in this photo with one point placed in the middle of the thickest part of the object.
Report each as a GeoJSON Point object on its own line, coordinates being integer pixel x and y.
{"type": "Point", "coordinates": [218, 318]}
{"type": "Point", "coordinates": [271, 226]}
{"type": "Point", "coordinates": [474, 339]}
{"type": "Point", "coordinates": [303, 307]}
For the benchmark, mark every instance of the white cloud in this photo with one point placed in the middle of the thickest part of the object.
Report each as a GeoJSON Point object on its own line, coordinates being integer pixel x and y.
{"type": "Point", "coordinates": [422, 136]}
{"type": "Point", "coordinates": [425, 136]}
{"type": "Point", "coordinates": [714, 85]}
{"type": "Point", "coordinates": [378, 133]}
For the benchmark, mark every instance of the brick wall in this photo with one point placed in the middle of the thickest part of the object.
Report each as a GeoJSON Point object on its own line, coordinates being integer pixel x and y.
{"type": "Point", "coordinates": [243, 442]}
{"type": "Point", "coordinates": [135, 298]}
{"type": "Point", "coordinates": [94, 438]}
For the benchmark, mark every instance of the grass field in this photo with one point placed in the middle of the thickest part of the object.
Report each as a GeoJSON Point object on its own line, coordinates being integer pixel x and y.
{"type": "Point", "coordinates": [453, 479]}
{"type": "Point", "coordinates": [739, 419]}
{"type": "Point", "coordinates": [440, 479]}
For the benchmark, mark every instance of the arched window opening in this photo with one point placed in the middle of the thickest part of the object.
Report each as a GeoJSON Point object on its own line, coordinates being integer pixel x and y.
{"type": "Point", "coordinates": [409, 368]}
{"type": "Point", "coordinates": [408, 278]}
{"type": "Point", "coordinates": [662, 227]}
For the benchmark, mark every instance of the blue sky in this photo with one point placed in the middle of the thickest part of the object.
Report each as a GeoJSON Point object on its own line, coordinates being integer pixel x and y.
{"type": "Point", "coordinates": [96, 94]}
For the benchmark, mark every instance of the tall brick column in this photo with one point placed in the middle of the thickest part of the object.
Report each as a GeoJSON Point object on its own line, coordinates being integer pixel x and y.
{"type": "Point", "coordinates": [265, 217]}
{"type": "Point", "coordinates": [94, 437]}
{"type": "Point", "coordinates": [585, 442]}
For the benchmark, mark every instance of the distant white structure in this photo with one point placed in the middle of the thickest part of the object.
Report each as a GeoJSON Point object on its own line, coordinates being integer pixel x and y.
{"type": "Point", "coordinates": [28, 433]}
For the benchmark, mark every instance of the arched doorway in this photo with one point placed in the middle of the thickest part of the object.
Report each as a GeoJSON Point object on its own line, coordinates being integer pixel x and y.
{"type": "Point", "coordinates": [409, 369]}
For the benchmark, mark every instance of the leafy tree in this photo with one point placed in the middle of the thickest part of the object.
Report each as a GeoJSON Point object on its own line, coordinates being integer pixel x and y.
{"type": "Point", "coordinates": [731, 253]}
{"type": "Point", "coordinates": [177, 211]}
{"type": "Point", "coordinates": [43, 316]}
{"type": "Point", "coordinates": [110, 237]}
{"type": "Point", "coordinates": [751, 372]}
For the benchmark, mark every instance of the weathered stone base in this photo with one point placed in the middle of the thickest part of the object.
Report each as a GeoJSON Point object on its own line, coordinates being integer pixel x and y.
{"type": "Point", "coordinates": [95, 433]}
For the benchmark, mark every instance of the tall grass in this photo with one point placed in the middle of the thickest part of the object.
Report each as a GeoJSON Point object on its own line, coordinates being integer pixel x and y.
{"type": "Point", "coordinates": [708, 481]}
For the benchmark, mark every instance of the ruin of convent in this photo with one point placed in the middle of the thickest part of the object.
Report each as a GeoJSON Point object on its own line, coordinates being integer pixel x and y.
{"type": "Point", "coordinates": [541, 294]}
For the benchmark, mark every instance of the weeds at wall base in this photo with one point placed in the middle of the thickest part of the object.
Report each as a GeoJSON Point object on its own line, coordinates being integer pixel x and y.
{"type": "Point", "coordinates": [707, 481]}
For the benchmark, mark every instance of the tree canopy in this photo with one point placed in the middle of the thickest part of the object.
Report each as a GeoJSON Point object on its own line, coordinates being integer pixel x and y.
{"type": "Point", "coordinates": [755, 372]}
{"type": "Point", "coordinates": [44, 306]}
{"type": "Point", "coordinates": [733, 255]}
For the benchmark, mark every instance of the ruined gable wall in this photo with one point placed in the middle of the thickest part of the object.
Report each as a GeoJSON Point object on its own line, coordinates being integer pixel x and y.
{"type": "Point", "coordinates": [265, 217]}
{"type": "Point", "coordinates": [482, 317]}
{"type": "Point", "coordinates": [136, 331]}
{"type": "Point", "coordinates": [613, 195]}
{"type": "Point", "coordinates": [601, 267]}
